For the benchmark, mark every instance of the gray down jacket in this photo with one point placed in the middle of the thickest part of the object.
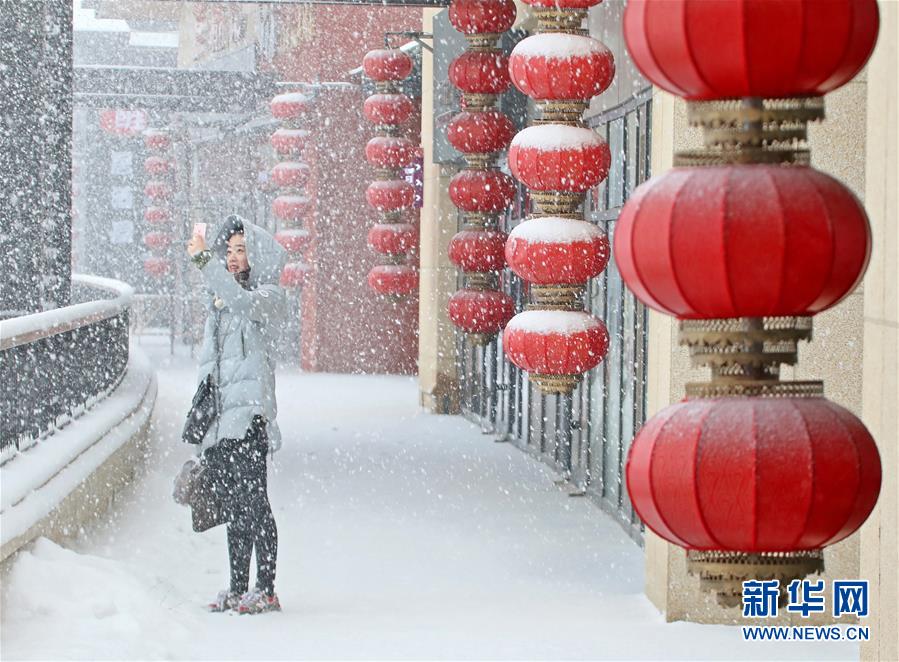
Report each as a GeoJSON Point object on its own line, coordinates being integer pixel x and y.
{"type": "Point", "coordinates": [240, 332]}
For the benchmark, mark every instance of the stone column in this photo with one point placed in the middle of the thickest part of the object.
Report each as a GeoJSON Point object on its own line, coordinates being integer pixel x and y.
{"type": "Point", "coordinates": [880, 329]}
{"type": "Point", "coordinates": [437, 370]}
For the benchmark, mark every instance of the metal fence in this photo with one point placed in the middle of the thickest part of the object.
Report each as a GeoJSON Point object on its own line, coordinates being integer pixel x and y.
{"type": "Point", "coordinates": [584, 436]}
{"type": "Point", "coordinates": [57, 364]}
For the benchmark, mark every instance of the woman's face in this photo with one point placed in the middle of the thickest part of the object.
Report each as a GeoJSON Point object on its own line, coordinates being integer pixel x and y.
{"type": "Point", "coordinates": [237, 254]}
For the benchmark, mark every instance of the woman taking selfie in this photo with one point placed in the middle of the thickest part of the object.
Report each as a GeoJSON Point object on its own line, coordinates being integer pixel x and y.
{"type": "Point", "coordinates": [241, 271]}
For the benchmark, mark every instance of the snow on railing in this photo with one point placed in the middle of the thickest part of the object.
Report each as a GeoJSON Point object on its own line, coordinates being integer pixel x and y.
{"type": "Point", "coordinates": [27, 328]}
{"type": "Point", "coordinates": [59, 363]}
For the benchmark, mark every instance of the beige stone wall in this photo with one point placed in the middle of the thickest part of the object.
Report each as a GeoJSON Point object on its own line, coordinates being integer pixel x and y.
{"type": "Point", "coordinates": [834, 355]}
{"type": "Point", "coordinates": [95, 495]}
{"type": "Point", "coordinates": [436, 352]}
{"type": "Point", "coordinates": [880, 329]}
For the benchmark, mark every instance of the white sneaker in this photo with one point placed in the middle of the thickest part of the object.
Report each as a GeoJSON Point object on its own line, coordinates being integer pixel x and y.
{"type": "Point", "coordinates": [225, 601]}
{"type": "Point", "coordinates": [255, 601]}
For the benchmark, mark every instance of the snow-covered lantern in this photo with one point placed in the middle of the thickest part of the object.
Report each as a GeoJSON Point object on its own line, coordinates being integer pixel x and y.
{"type": "Point", "coordinates": [559, 160]}
{"type": "Point", "coordinates": [481, 192]}
{"type": "Point", "coordinates": [394, 281]}
{"type": "Point", "coordinates": [157, 267]}
{"type": "Point", "coordinates": [294, 275]}
{"type": "Point", "coordinates": [157, 242]}
{"type": "Point", "coordinates": [393, 238]}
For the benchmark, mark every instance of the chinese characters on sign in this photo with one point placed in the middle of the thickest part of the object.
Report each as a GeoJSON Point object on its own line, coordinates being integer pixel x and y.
{"type": "Point", "coordinates": [848, 597]}
{"type": "Point", "coordinates": [123, 122]}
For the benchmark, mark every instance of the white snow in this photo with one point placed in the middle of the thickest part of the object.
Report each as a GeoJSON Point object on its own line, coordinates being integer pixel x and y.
{"type": "Point", "coordinates": [85, 20]}
{"type": "Point", "coordinates": [552, 229]}
{"type": "Point", "coordinates": [153, 39]}
{"type": "Point", "coordinates": [291, 97]}
{"type": "Point", "coordinates": [553, 321]}
{"type": "Point", "coordinates": [120, 297]}
{"type": "Point", "coordinates": [294, 199]}
{"type": "Point", "coordinates": [36, 480]}
{"type": "Point", "coordinates": [291, 165]}
{"type": "Point", "coordinates": [396, 228]}
{"type": "Point", "coordinates": [550, 137]}
{"type": "Point", "coordinates": [395, 268]}
{"type": "Point", "coordinates": [402, 535]}
{"type": "Point", "coordinates": [293, 233]}
{"type": "Point", "coordinates": [559, 46]}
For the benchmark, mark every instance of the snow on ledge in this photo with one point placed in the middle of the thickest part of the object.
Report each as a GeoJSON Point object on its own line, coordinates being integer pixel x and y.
{"type": "Point", "coordinates": [15, 331]}
{"type": "Point", "coordinates": [291, 97]}
{"type": "Point", "coordinates": [555, 230]}
{"type": "Point", "coordinates": [545, 322]}
{"type": "Point", "coordinates": [548, 137]}
{"type": "Point", "coordinates": [293, 133]}
{"type": "Point", "coordinates": [559, 46]}
{"type": "Point", "coordinates": [34, 482]}
{"type": "Point", "coordinates": [294, 199]}
{"type": "Point", "coordinates": [296, 233]}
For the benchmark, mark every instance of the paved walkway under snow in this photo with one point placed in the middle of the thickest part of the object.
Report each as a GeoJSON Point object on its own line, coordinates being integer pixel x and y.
{"type": "Point", "coordinates": [402, 535]}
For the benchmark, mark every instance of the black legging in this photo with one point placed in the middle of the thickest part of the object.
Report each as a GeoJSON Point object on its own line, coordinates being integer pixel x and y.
{"type": "Point", "coordinates": [240, 474]}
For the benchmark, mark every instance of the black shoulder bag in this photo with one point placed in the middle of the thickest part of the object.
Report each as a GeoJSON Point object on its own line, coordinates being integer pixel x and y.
{"type": "Point", "coordinates": [203, 412]}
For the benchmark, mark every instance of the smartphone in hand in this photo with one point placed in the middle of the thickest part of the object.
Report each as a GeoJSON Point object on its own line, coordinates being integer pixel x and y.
{"type": "Point", "coordinates": [199, 230]}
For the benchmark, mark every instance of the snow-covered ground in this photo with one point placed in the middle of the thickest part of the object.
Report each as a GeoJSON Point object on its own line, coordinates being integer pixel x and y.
{"type": "Point", "coordinates": [402, 535]}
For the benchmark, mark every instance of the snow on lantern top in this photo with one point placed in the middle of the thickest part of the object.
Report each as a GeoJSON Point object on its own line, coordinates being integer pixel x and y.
{"type": "Point", "coordinates": [289, 105]}
{"type": "Point", "coordinates": [387, 64]}
{"type": "Point", "coordinates": [482, 16]}
{"type": "Point", "coordinates": [561, 66]}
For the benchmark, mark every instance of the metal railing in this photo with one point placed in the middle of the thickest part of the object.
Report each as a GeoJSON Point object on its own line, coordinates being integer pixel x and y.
{"type": "Point", "coordinates": [584, 436]}
{"type": "Point", "coordinates": [57, 364]}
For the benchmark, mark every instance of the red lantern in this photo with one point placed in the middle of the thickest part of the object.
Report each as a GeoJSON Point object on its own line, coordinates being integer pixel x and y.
{"type": "Point", "coordinates": [557, 250]}
{"type": "Point", "coordinates": [555, 157]}
{"type": "Point", "coordinates": [157, 240]}
{"type": "Point", "coordinates": [294, 274]}
{"type": "Point", "coordinates": [480, 132]}
{"type": "Point", "coordinates": [482, 16]}
{"type": "Point", "coordinates": [480, 311]}
{"type": "Point", "coordinates": [561, 66]}
{"type": "Point", "coordinates": [157, 140]}
{"type": "Point", "coordinates": [290, 174]}
{"type": "Point", "coordinates": [393, 279]}
{"type": "Point", "coordinates": [393, 238]}
{"type": "Point", "coordinates": [293, 241]}
{"type": "Point", "coordinates": [555, 342]}
{"type": "Point", "coordinates": [387, 64]}
{"type": "Point", "coordinates": [289, 106]}
{"type": "Point", "coordinates": [742, 241]}
{"type": "Point", "coordinates": [754, 474]}
{"type": "Point", "coordinates": [290, 142]}
{"type": "Point", "coordinates": [156, 165]}
{"type": "Point", "coordinates": [481, 190]}
{"type": "Point", "coordinates": [478, 250]}
{"type": "Point", "coordinates": [391, 195]}
{"type": "Point", "coordinates": [480, 72]}
{"type": "Point", "coordinates": [387, 108]}
{"type": "Point", "coordinates": [750, 48]}
{"type": "Point", "coordinates": [389, 152]}
{"type": "Point", "coordinates": [157, 215]}
{"type": "Point", "coordinates": [157, 267]}
{"type": "Point", "coordinates": [291, 207]}
{"type": "Point", "coordinates": [156, 190]}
